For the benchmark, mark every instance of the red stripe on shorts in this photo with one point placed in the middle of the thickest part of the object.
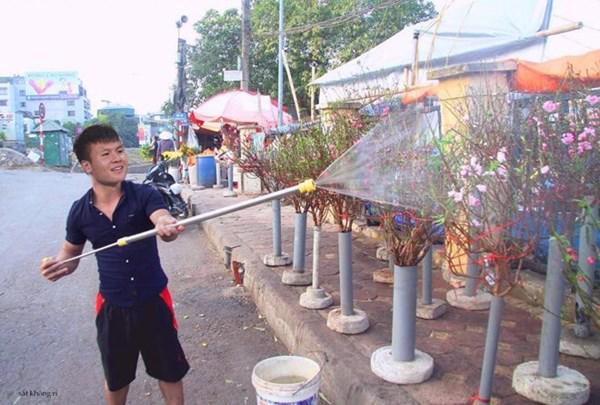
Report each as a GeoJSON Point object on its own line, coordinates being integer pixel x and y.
{"type": "Point", "coordinates": [166, 297]}
{"type": "Point", "coordinates": [99, 302]}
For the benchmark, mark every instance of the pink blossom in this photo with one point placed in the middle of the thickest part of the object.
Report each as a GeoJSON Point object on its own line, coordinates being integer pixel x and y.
{"type": "Point", "coordinates": [544, 147]}
{"type": "Point", "coordinates": [583, 146]}
{"type": "Point", "coordinates": [482, 188]}
{"type": "Point", "coordinates": [475, 223]}
{"type": "Point", "coordinates": [457, 196]}
{"type": "Point", "coordinates": [590, 260]}
{"type": "Point", "coordinates": [501, 171]}
{"type": "Point", "coordinates": [567, 138]}
{"type": "Point", "coordinates": [501, 155]}
{"type": "Point", "coordinates": [572, 254]}
{"type": "Point", "coordinates": [550, 106]}
{"type": "Point", "coordinates": [590, 132]}
{"type": "Point", "coordinates": [474, 201]}
{"type": "Point", "coordinates": [464, 171]}
{"type": "Point", "coordinates": [592, 99]}
{"type": "Point", "coordinates": [332, 150]}
{"type": "Point", "coordinates": [545, 169]}
{"type": "Point", "coordinates": [475, 165]}
{"type": "Point", "coordinates": [582, 136]}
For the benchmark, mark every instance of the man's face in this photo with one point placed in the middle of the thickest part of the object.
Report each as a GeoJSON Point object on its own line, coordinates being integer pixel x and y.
{"type": "Point", "coordinates": [107, 164]}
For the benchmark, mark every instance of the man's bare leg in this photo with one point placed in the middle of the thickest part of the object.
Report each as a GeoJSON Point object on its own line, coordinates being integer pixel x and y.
{"type": "Point", "coordinates": [118, 397]}
{"type": "Point", "coordinates": [173, 392]}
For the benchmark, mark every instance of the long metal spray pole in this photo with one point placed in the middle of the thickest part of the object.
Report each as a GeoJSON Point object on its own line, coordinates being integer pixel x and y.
{"type": "Point", "coordinates": [199, 218]}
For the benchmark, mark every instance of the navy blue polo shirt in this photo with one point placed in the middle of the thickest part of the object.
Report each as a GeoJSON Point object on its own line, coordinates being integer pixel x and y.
{"type": "Point", "coordinates": [129, 274]}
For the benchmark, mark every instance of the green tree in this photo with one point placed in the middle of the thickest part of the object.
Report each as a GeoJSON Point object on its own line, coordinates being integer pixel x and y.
{"type": "Point", "coordinates": [327, 32]}
{"type": "Point", "coordinates": [168, 108]}
{"type": "Point", "coordinates": [125, 125]}
{"type": "Point", "coordinates": [217, 48]}
{"type": "Point", "coordinates": [70, 127]}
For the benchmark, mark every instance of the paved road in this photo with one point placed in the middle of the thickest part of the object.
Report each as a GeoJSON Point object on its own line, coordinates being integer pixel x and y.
{"type": "Point", "coordinates": [48, 351]}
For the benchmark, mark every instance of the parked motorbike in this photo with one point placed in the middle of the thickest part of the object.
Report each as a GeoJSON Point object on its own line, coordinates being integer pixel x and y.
{"type": "Point", "coordinates": [159, 178]}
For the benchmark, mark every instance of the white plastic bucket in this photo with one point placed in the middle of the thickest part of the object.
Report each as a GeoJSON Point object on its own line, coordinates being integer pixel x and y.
{"type": "Point", "coordinates": [193, 175]}
{"type": "Point", "coordinates": [287, 380]}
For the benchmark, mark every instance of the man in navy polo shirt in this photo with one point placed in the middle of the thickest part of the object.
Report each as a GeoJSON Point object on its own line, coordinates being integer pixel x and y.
{"type": "Point", "coordinates": [134, 311]}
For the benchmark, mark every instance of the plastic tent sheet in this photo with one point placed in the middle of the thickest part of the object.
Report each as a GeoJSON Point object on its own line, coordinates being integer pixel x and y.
{"type": "Point", "coordinates": [467, 31]}
{"type": "Point", "coordinates": [550, 76]}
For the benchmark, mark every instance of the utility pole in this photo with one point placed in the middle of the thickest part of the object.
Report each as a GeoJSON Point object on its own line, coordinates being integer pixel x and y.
{"type": "Point", "coordinates": [280, 67]}
{"type": "Point", "coordinates": [245, 44]}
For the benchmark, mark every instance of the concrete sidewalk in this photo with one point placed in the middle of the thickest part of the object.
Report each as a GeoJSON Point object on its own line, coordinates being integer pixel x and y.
{"type": "Point", "coordinates": [455, 341]}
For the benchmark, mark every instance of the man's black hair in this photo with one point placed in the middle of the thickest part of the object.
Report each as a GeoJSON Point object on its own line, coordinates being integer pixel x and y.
{"type": "Point", "coordinates": [98, 133]}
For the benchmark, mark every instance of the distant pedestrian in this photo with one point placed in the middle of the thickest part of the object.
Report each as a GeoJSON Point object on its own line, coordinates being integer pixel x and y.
{"type": "Point", "coordinates": [165, 143]}
{"type": "Point", "coordinates": [154, 149]}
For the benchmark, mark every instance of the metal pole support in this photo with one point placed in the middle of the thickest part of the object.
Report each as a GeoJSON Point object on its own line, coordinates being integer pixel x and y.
{"type": "Point", "coordinates": [316, 249]}
{"type": "Point", "coordinates": [276, 204]}
{"type": "Point", "coordinates": [426, 298]}
{"type": "Point", "coordinates": [587, 249]}
{"type": "Point", "coordinates": [472, 275]}
{"type": "Point", "coordinates": [345, 263]}
{"type": "Point", "coordinates": [298, 263]}
{"type": "Point", "coordinates": [491, 347]}
{"type": "Point", "coordinates": [230, 177]}
{"type": "Point", "coordinates": [553, 300]}
{"type": "Point", "coordinates": [404, 313]}
{"type": "Point", "coordinates": [217, 174]}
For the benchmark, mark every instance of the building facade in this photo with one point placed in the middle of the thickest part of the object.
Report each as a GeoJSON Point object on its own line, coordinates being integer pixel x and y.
{"type": "Point", "coordinates": [12, 107]}
{"type": "Point", "coordinates": [60, 95]}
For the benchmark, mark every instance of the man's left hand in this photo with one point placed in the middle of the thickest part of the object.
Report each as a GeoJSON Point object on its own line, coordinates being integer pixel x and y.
{"type": "Point", "coordinates": [165, 226]}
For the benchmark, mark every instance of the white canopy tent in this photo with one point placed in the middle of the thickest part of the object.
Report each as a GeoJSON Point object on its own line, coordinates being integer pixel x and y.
{"type": "Point", "coordinates": [467, 31]}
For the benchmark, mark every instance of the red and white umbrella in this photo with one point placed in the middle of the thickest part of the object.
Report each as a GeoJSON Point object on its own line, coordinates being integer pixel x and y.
{"type": "Point", "coordinates": [240, 107]}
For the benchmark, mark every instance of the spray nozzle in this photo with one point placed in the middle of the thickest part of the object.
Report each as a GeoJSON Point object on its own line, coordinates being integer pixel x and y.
{"type": "Point", "coordinates": [307, 186]}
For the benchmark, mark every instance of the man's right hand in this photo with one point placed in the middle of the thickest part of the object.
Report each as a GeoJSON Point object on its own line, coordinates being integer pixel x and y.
{"type": "Point", "coordinates": [54, 270]}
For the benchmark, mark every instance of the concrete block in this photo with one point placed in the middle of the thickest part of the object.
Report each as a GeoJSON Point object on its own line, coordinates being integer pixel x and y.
{"type": "Point", "coordinates": [572, 345]}
{"type": "Point", "coordinates": [401, 372]}
{"type": "Point", "coordinates": [384, 276]}
{"type": "Point", "coordinates": [434, 310]}
{"type": "Point", "coordinates": [293, 277]}
{"type": "Point", "coordinates": [315, 298]}
{"type": "Point", "coordinates": [569, 387]}
{"type": "Point", "coordinates": [348, 324]}
{"type": "Point", "coordinates": [479, 302]}
{"type": "Point", "coordinates": [277, 261]}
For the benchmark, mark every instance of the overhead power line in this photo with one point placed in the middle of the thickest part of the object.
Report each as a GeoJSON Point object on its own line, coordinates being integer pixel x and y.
{"type": "Point", "coordinates": [335, 21]}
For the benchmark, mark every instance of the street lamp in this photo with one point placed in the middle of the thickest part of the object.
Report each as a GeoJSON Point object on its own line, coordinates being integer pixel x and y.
{"type": "Point", "coordinates": [179, 100]}
{"type": "Point", "coordinates": [179, 96]}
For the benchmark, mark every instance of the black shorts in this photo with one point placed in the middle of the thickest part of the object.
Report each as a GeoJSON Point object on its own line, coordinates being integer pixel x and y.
{"type": "Point", "coordinates": [149, 328]}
